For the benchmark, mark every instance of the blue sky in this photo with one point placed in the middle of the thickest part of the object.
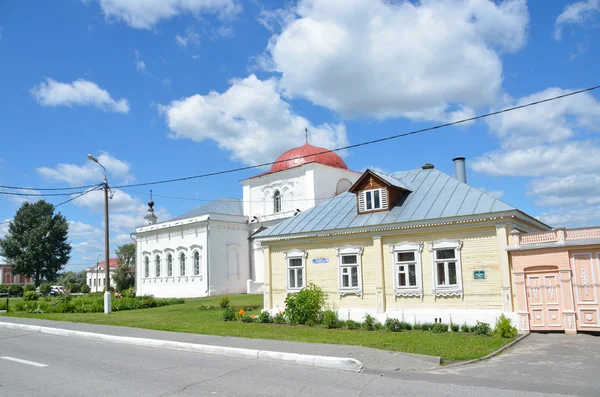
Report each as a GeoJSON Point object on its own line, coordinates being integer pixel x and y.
{"type": "Point", "coordinates": [160, 89]}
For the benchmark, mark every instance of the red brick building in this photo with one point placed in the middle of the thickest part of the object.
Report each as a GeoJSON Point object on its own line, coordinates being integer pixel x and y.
{"type": "Point", "coordinates": [6, 276]}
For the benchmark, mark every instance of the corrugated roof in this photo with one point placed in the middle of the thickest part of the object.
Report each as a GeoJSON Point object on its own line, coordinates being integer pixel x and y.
{"type": "Point", "coordinates": [391, 180]}
{"type": "Point", "coordinates": [223, 205]}
{"type": "Point", "coordinates": [432, 195]}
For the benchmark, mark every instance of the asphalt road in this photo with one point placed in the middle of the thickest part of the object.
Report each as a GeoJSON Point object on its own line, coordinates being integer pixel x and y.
{"type": "Point", "coordinates": [34, 364]}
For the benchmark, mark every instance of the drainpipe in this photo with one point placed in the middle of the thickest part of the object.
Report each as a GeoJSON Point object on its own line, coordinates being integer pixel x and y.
{"type": "Point", "coordinates": [207, 257]}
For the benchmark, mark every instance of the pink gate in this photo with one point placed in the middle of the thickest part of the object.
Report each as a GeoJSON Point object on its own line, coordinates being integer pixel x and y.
{"type": "Point", "coordinates": [544, 296]}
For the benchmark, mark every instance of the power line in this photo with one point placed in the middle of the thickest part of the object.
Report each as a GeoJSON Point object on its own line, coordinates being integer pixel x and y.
{"type": "Point", "coordinates": [76, 197]}
{"type": "Point", "coordinates": [38, 194]}
{"type": "Point", "coordinates": [371, 142]}
{"type": "Point", "coordinates": [41, 188]}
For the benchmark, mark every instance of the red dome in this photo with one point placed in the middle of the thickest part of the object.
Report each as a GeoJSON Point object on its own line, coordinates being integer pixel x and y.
{"type": "Point", "coordinates": [307, 154]}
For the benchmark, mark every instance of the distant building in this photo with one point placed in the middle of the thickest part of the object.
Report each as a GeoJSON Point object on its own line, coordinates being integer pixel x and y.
{"type": "Point", "coordinates": [95, 276]}
{"type": "Point", "coordinates": [6, 276]}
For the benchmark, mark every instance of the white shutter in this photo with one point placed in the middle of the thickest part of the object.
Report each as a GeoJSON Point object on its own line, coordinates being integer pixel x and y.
{"type": "Point", "coordinates": [362, 206]}
{"type": "Point", "coordinates": [384, 198]}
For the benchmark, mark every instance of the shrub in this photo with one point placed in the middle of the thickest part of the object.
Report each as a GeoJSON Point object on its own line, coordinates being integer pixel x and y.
{"type": "Point", "coordinates": [464, 328]}
{"type": "Point", "coordinates": [504, 327]}
{"type": "Point", "coordinates": [265, 317]}
{"type": "Point", "coordinates": [224, 302]}
{"type": "Point", "coordinates": [3, 289]}
{"type": "Point", "coordinates": [304, 306]}
{"type": "Point", "coordinates": [370, 323]}
{"type": "Point", "coordinates": [30, 296]}
{"type": "Point", "coordinates": [228, 314]}
{"type": "Point", "coordinates": [417, 326]}
{"type": "Point", "coordinates": [279, 318]}
{"type": "Point", "coordinates": [439, 328]}
{"type": "Point", "coordinates": [246, 318]}
{"type": "Point", "coordinates": [128, 293]}
{"type": "Point", "coordinates": [45, 288]}
{"type": "Point", "coordinates": [454, 327]}
{"type": "Point", "coordinates": [15, 290]}
{"type": "Point", "coordinates": [29, 287]}
{"type": "Point", "coordinates": [85, 289]}
{"type": "Point", "coordinates": [393, 325]}
{"type": "Point", "coordinates": [481, 329]}
{"type": "Point", "coordinates": [330, 319]}
{"type": "Point", "coordinates": [73, 287]}
{"type": "Point", "coordinates": [426, 326]}
{"type": "Point", "coordinates": [352, 325]}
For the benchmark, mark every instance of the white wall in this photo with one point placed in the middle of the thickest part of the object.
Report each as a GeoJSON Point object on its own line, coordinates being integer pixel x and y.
{"type": "Point", "coordinates": [95, 280]}
{"type": "Point", "coordinates": [325, 180]}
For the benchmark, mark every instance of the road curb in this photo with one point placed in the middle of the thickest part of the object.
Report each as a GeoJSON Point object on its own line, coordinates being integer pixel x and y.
{"type": "Point", "coordinates": [341, 363]}
{"type": "Point", "coordinates": [492, 354]}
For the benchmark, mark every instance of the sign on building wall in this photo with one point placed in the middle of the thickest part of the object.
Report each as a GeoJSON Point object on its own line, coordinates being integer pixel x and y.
{"type": "Point", "coordinates": [478, 274]}
{"type": "Point", "coordinates": [320, 260]}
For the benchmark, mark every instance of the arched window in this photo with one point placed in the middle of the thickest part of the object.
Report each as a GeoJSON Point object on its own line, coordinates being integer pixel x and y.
{"type": "Point", "coordinates": [146, 267]}
{"type": "Point", "coordinates": [157, 264]}
{"type": "Point", "coordinates": [169, 265]}
{"type": "Point", "coordinates": [182, 264]}
{"type": "Point", "coordinates": [277, 201]}
{"type": "Point", "coordinates": [196, 263]}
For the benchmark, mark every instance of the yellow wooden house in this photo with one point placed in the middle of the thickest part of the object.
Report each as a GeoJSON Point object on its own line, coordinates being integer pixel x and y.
{"type": "Point", "coordinates": [420, 246]}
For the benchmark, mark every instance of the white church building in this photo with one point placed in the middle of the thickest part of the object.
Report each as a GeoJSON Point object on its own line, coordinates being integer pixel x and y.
{"type": "Point", "coordinates": [211, 251]}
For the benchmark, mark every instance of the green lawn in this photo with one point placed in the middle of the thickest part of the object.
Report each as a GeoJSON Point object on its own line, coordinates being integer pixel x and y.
{"type": "Point", "coordinates": [187, 318]}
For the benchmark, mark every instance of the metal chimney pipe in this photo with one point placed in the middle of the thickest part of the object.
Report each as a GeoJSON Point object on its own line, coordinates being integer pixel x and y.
{"type": "Point", "coordinates": [460, 170]}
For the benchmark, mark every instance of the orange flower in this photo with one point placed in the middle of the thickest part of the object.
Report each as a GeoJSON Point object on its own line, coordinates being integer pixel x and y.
{"type": "Point", "coordinates": [241, 312]}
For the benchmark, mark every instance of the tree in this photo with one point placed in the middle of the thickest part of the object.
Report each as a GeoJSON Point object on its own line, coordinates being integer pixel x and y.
{"type": "Point", "coordinates": [36, 243]}
{"type": "Point", "coordinates": [71, 277]}
{"type": "Point", "coordinates": [125, 274]}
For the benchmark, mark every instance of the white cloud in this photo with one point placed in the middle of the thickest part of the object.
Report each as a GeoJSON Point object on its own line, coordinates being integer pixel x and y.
{"type": "Point", "coordinates": [22, 199]}
{"type": "Point", "coordinates": [404, 59]}
{"type": "Point", "coordinates": [250, 120]}
{"type": "Point", "coordinates": [190, 37]}
{"type": "Point", "coordinates": [140, 66]}
{"type": "Point", "coordinates": [89, 172]}
{"type": "Point", "coordinates": [78, 93]}
{"type": "Point", "coordinates": [144, 14]}
{"type": "Point", "coordinates": [83, 230]}
{"type": "Point", "coordinates": [571, 217]}
{"type": "Point", "coordinates": [4, 227]}
{"type": "Point", "coordinates": [577, 13]}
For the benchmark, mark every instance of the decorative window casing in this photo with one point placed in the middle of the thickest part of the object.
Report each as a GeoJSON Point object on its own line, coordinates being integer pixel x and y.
{"type": "Point", "coordinates": [146, 267]}
{"type": "Point", "coordinates": [373, 200]}
{"type": "Point", "coordinates": [350, 269]}
{"type": "Point", "coordinates": [196, 263]}
{"type": "Point", "coordinates": [182, 264]}
{"type": "Point", "coordinates": [157, 266]}
{"type": "Point", "coordinates": [277, 201]}
{"type": "Point", "coordinates": [169, 265]}
{"type": "Point", "coordinates": [296, 269]}
{"type": "Point", "coordinates": [233, 261]}
{"type": "Point", "coordinates": [447, 269]}
{"type": "Point", "coordinates": [406, 268]}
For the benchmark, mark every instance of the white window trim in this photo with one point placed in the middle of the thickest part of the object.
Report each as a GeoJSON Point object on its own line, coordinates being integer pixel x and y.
{"type": "Point", "coordinates": [157, 265]}
{"type": "Point", "coordinates": [383, 200]}
{"type": "Point", "coordinates": [350, 250]}
{"type": "Point", "coordinates": [197, 251]}
{"type": "Point", "coordinates": [443, 290]}
{"type": "Point", "coordinates": [408, 246]}
{"type": "Point", "coordinates": [169, 256]}
{"type": "Point", "coordinates": [294, 254]}
{"type": "Point", "coordinates": [179, 264]}
{"type": "Point", "coordinates": [146, 274]}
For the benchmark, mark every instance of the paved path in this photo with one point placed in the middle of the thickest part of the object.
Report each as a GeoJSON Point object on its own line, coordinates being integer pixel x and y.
{"type": "Point", "coordinates": [50, 365]}
{"type": "Point", "coordinates": [372, 359]}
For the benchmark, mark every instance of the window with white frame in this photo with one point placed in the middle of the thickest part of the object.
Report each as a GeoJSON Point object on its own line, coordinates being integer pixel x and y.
{"type": "Point", "coordinates": [157, 266]}
{"type": "Point", "coordinates": [196, 263]}
{"type": "Point", "coordinates": [182, 264]}
{"type": "Point", "coordinates": [372, 200]}
{"type": "Point", "coordinates": [169, 265]}
{"type": "Point", "coordinates": [296, 276]}
{"type": "Point", "coordinates": [407, 268]}
{"type": "Point", "coordinates": [447, 272]}
{"type": "Point", "coordinates": [350, 274]}
{"type": "Point", "coordinates": [146, 267]}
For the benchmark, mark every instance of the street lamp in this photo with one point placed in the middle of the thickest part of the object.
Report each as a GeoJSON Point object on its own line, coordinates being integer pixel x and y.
{"type": "Point", "coordinates": [107, 296]}
{"type": "Point", "coordinates": [97, 267]}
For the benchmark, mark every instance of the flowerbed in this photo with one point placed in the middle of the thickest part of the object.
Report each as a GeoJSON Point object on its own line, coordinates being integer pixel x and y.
{"type": "Point", "coordinates": [90, 304]}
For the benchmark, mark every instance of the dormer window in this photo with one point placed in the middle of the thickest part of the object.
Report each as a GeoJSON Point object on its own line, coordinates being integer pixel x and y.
{"type": "Point", "coordinates": [276, 201]}
{"type": "Point", "coordinates": [372, 200]}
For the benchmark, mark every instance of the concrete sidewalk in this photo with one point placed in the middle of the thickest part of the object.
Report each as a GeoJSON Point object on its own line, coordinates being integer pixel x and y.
{"type": "Point", "coordinates": [371, 359]}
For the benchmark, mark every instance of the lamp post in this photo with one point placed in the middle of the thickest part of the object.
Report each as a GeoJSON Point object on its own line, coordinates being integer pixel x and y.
{"type": "Point", "coordinates": [107, 296]}
{"type": "Point", "coordinates": [97, 267]}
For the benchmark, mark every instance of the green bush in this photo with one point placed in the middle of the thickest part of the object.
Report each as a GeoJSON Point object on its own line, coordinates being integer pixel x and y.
{"type": "Point", "coordinates": [304, 306]}
{"type": "Point", "coordinates": [464, 328]}
{"type": "Point", "coordinates": [224, 302]}
{"type": "Point", "coordinates": [426, 326]}
{"type": "Point", "coordinates": [265, 317]}
{"type": "Point", "coordinates": [481, 329]}
{"type": "Point", "coordinates": [454, 327]}
{"type": "Point", "coordinates": [330, 319]}
{"type": "Point", "coordinates": [91, 304]}
{"type": "Point", "coordinates": [352, 325]}
{"type": "Point", "coordinates": [417, 326]}
{"type": "Point", "coordinates": [504, 327]}
{"type": "Point", "coordinates": [246, 318]}
{"type": "Point", "coordinates": [45, 288]}
{"type": "Point", "coordinates": [30, 296]}
{"type": "Point", "coordinates": [73, 287]}
{"type": "Point", "coordinates": [128, 293]}
{"type": "Point", "coordinates": [370, 323]}
{"type": "Point", "coordinates": [3, 289]}
{"type": "Point", "coordinates": [279, 318]}
{"type": "Point", "coordinates": [85, 289]}
{"type": "Point", "coordinates": [228, 314]}
{"type": "Point", "coordinates": [393, 325]}
{"type": "Point", "coordinates": [29, 287]}
{"type": "Point", "coordinates": [15, 290]}
{"type": "Point", "coordinates": [439, 328]}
